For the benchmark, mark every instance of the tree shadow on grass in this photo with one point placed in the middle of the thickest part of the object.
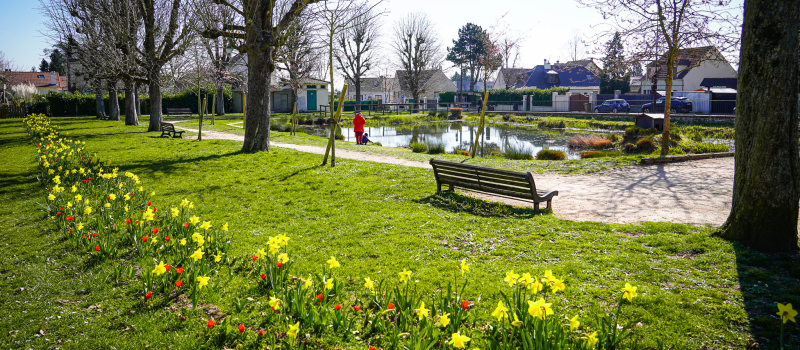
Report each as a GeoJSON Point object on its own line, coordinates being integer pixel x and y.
{"type": "Point", "coordinates": [764, 281]}
{"type": "Point", "coordinates": [287, 177]}
{"type": "Point", "coordinates": [168, 165]}
{"type": "Point", "coordinates": [457, 203]}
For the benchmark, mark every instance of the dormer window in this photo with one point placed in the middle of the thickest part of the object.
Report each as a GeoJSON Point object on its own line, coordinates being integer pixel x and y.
{"type": "Point", "coordinates": [552, 77]}
{"type": "Point", "coordinates": [40, 76]}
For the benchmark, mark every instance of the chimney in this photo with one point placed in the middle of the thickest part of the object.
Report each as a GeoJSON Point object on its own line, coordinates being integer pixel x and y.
{"type": "Point", "coordinates": [546, 65]}
{"type": "Point", "coordinates": [53, 79]}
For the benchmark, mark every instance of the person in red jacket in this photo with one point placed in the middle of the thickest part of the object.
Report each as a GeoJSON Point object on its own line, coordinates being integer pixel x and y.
{"type": "Point", "coordinates": [358, 123]}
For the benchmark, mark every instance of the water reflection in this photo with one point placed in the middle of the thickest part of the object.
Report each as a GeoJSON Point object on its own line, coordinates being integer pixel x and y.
{"type": "Point", "coordinates": [461, 136]}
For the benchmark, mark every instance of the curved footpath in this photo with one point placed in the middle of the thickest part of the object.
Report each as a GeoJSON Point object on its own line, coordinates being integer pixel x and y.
{"type": "Point", "coordinates": [696, 192]}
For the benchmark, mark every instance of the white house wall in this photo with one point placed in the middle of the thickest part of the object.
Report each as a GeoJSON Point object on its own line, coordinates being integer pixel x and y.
{"type": "Point", "coordinates": [707, 69]}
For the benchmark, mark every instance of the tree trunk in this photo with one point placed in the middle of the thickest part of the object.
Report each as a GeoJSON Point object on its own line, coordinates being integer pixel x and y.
{"type": "Point", "coordinates": [256, 126]}
{"type": "Point", "coordinates": [358, 94]}
{"type": "Point", "coordinates": [766, 186]}
{"type": "Point", "coordinates": [130, 104]}
{"type": "Point", "coordinates": [137, 98]}
{"type": "Point", "coordinates": [98, 97]}
{"type": "Point", "coordinates": [220, 110]}
{"type": "Point", "coordinates": [667, 103]}
{"type": "Point", "coordinates": [156, 116]}
{"type": "Point", "coordinates": [113, 100]}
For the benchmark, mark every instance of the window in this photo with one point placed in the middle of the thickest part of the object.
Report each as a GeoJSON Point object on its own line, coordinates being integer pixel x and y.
{"type": "Point", "coordinates": [40, 76]}
{"type": "Point", "coordinates": [552, 77]}
{"type": "Point", "coordinates": [311, 86]}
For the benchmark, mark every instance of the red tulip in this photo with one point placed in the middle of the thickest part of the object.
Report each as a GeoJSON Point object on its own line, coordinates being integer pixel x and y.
{"type": "Point", "coordinates": [319, 298]}
{"type": "Point", "coordinates": [128, 221]}
{"type": "Point", "coordinates": [70, 218]}
{"type": "Point", "coordinates": [390, 306]}
{"type": "Point", "coordinates": [371, 348]}
{"type": "Point", "coordinates": [94, 234]}
{"type": "Point", "coordinates": [337, 307]}
{"type": "Point", "coordinates": [241, 328]}
{"type": "Point", "coordinates": [179, 270]}
{"type": "Point", "coordinates": [109, 196]}
{"type": "Point", "coordinates": [465, 304]}
{"type": "Point", "coordinates": [70, 230]}
{"type": "Point", "coordinates": [97, 248]}
{"type": "Point", "coordinates": [356, 308]}
{"type": "Point", "coordinates": [178, 283]}
{"type": "Point", "coordinates": [183, 318]}
{"type": "Point", "coordinates": [155, 230]}
{"type": "Point", "coordinates": [263, 277]}
{"type": "Point", "coordinates": [148, 295]}
{"type": "Point", "coordinates": [90, 178]}
{"type": "Point", "coordinates": [148, 204]}
{"type": "Point", "coordinates": [255, 257]}
{"type": "Point", "coordinates": [144, 239]}
{"type": "Point", "coordinates": [279, 264]}
{"type": "Point", "coordinates": [166, 238]}
{"type": "Point", "coordinates": [58, 213]}
{"type": "Point", "coordinates": [167, 267]}
{"type": "Point", "coordinates": [261, 333]}
{"type": "Point", "coordinates": [186, 225]}
{"type": "Point", "coordinates": [211, 323]}
{"type": "Point", "coordinates": [84, 181]}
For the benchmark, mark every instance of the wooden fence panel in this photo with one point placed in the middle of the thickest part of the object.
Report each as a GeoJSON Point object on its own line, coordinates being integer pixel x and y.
{"type": "Point", "coordinates": [8, 112]}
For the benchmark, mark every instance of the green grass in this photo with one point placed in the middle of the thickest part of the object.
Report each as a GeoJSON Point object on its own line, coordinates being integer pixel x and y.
{"type": "Point", "coordinates": [695, 290]}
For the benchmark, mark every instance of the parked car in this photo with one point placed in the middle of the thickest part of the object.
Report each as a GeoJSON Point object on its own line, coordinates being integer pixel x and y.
{"type": "Point", "coordinates": [678, 105]}
{"type": "Point", "coordinates": [613, 106]}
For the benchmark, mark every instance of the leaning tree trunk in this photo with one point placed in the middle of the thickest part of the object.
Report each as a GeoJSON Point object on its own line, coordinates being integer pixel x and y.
{"type": "Point", "coordinates": [256, 126]}
{"type": "Point", "coordinates": [97, 84]}
{"type": "Point", "coordinates": [155, 106]}
{"type": "Point", "coordinates": [667, 104]}
{"type": "Point", "coordinates": [766, 186]}
{"type": "Point", "coordinates": [130, 104]}
{"type": "Point", "coordinates": [113, 100]}
{"type": "Point", "coordinates": [220, 110]}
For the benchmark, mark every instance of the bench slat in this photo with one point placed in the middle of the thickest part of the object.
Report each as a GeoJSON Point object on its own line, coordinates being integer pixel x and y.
{"type": "Point", "coordinates": [473, 167]}
{"type": "Point", "coordinates": [489, 172]}
{"type": "Point", "coordinates": [486, 186]}
{"type": "Point", "coordinates": [485, 177]}
{"type": "Point", "coordinates": [497, 191]}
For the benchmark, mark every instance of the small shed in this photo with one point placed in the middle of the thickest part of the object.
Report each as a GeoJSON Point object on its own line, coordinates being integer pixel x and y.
{"type": "Point", "coordinates": [649, 121]}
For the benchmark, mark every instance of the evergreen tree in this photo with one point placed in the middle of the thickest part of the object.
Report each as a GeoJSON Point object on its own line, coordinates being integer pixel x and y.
{"type": "Point", "coordinates": [44, 66]}
{"type": "Point", "coordinates": [616, 70]}
{"type": "Point", "coordinates": [467, 51]}
{"type": "Point", "coordinates": [57, 62]}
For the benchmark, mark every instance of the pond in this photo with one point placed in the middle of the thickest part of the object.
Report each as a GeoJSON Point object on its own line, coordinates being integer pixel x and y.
{"type": "Point", "coordinates": [495, 138]}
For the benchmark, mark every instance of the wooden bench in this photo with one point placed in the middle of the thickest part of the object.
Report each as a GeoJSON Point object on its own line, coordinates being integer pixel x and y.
{"type": "Point", "coordinates": [493, 181]}
{"type": "Point", "coordinates": [103, 116]}
{"type": "Point", "coordinates": [169, 130]}
{"type": "Point", "coordinates": [179, 111]}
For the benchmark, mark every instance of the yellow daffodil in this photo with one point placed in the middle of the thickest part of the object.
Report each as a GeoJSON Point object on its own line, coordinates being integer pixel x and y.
{"type": "Point", "coordinates": [261, 253]}
{"type": "Point", "coordinates": [160, 269]}
{"type": "Point", "coordinates": [153, 240]}
{"type": "Point", "coordinates": [629, 292]}
{"type": "Point", "coordinates": [535, 287]}
{"type": "Point", "coordinates": [459, 341]}
{"type": "Point", "coordinates": [500, 312]}
{"type": "Point", "coordinates": [87, 211]}
{"type": "Point", "coordinates": [274, 303]}
{"type": "Point", "coordinates": [293, 330]}
{"type": "Point", "coordinates": [175, 212]}
{"type": "Point", "coordinates": [308, 282]}
{"type": "Point", "coordinates": [217, 257]}
{"type": "Point", "coordinates": [282, 240]}
{"type": "Point", "coordinates": [107, 205]}
{"type": "Point", "coordinates": [405, 275]}
{"type": "Point", "coordinates": [78, 198]}
{"type": "Point", "coordinates": [511, 278]}
{"type": "Point", "coordinates": [197, 255]}
{"type": "Point", "coordinates": [548, 277]}
{"type": "Point", "coordinates": [225, 227]}
{"type": "Point", "coordinates": [152, 193]}
{"type": "Point", "coordinates": [421, 311]}
{"type": "Point", "coordinates": [516, 322]}
{"type": "Point", "coordinates": [274, 248]}
{"type": "Point", "coordinates": [592, 339]}
{"type": "Point", "coordinates": [74, 189]}
{"type": "Point", "coordinates": [183, 241]}
{"type": "Point", "coordinates": [112, 197]}
{"type": "Point", "coordinates": [194, 220]}
{"type": "Point", "coordinates": [368, 283]}
{"type": "Point", "coordinates": [51, 197]}
{"type": "Point", "coordinates": [463, 267]}
{"type": "Point", "coordinates": [184, 202]}
{"type": "Point", "coordinates": [557, 285]}
{"type": "Point", "coordinates": [202, 281]}
{"type": "Point", "coordinates": [332, 263]}
{"type": "Point", "coordinates": [283, 258]}
{"type": "Point", "coordinates": [328, 284]}
{"type": "Point", "coordinates": [127, 196]}
{"type": "Point", "coordinates": [539, 309]}
{"type": "Point", "coordinates": [526, 280]}
{"type": "Point", "coordinates": [80, 226]}
{"type": "Point", "coordinates": [444, 320]}
{"type": "Point", "coordinates": [148, 215]}
{"type": "Point", "coordinates": [69, 204]}
{"type": "Point", "coordinates": [198, 238]}
{"type": "Point", "coordinates": [574, 323]}
{"type": "Point", "coordinates": [206, 225]}
{"type": "Point", "coordinates": [786, 312]}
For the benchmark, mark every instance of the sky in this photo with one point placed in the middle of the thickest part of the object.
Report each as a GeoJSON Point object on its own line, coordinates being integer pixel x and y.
{"type": "Point", "coordinates": [545, 26]}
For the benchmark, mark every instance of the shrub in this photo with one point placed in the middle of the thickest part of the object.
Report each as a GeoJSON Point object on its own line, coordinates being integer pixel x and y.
{"type": "Point", "coordinates": [431, 113]}
{"type": "Point", "coordinates": [507, 117]}
{"type": "Point", "coordinates": [514, 152]}
{"type": "Point", "coordinates": [599, 154]}
{"type": "Point", "coordinates": [547, 154]}
{"type": "Point", "coordinates": [637, 131]}
{"type": "Point", "coordinates": [551, 124]}
{"type": "Point", "coordinates": [442, 115]}
{"type": "Point", "coordinates": [455, 112]}
{"type": "Point", "coordinates": [705, 147]}
{"type": "Point", "coordinates": [418, 147]}
{"type": "Point", "coordinates": [589, 141]}
{"type": "Point", "coordinates": [434, 147]}
{"type": "Point", "coordinates": [613, 137]}
{"type": "Point", "coordinates": [645, 146]}
{"type": "Point", "coordinates": [629, 148]}
{"type": "Point", "coordinates": [461, 152]}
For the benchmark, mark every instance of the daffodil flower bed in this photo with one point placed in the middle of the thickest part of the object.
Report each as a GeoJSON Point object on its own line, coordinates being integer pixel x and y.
{"type": "Point", "coordinates": [372, 311]}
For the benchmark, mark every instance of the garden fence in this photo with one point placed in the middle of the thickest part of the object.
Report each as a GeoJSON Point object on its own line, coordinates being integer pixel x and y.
{"type": "Point", "coordinates": [8, 112]}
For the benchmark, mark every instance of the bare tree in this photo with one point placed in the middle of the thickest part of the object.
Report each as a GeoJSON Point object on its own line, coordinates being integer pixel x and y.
{"type": "Point", "coordinates": [766, 186]}
{"type": "Point", "coordinates": [356, 51]}
{"type": "Point", "coordinates": [299, 59]}
{"type": "Point", "coordinates": [665, 28]}
{"type": "Point", "coordinates": [507, 41]}
{"type": "Point", "coordinates": [168, 31]}
{"type": "Point", "coordinates": [256, 28]}
{"type": "Point", "coordinates": [417, 49]}
{"type": "Point", "coordinates": [575, 47]}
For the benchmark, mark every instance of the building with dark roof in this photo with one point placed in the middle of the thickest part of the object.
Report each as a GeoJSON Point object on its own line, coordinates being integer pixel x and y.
{"type": "Point", "coordinates": [692, 66]}
{"type": "Point", "coordinates": [577, 78]}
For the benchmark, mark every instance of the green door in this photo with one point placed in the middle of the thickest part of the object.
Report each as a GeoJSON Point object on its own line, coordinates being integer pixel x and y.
{"type": "Point", "coordinates": [311, 100]}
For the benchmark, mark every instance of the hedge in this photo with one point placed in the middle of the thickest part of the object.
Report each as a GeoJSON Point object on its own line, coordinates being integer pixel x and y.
{"type": "Point", "coordinates": [84, 104]}
{"type": "Point", "coordinates": [502, 95]}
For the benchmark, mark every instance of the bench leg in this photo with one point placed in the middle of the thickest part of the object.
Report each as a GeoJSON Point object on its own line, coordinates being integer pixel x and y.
{"type": "Point", "coordinates": [535, 207]}
{"type": "Point", "coordinates": [438, 187]}
{"type": "Point", "coordinates": [450, 189]}
{"type": "Point", "coordinates": [549, 206]}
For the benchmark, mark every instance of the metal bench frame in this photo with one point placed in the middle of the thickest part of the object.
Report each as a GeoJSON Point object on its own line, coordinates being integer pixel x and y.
{"type": "Point", "coordinates": [509, 184]}
{"type": "Point", "coordinates": [169, 130]}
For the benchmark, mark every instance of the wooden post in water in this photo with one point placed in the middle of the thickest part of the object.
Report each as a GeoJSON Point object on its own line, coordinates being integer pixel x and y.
{"type": "Point", "coordinates": [332, 141]}
{"type": "Point", "coordinates": [480, 125]}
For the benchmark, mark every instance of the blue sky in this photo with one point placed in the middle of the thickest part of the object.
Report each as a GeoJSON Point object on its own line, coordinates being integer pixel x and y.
{"type": "Point", "coordinates": [546, 25]}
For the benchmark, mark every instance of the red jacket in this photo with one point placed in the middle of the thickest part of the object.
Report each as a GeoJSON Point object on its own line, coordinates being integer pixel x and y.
{"type": "Point", "coordinates": [359, 122]}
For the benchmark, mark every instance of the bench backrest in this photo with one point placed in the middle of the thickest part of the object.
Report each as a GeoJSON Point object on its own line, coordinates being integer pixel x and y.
{"type": "Point", "coordinates": [505, 182]}
{"type": "Point", "coordinates": [167, 127]}
{"type": "Point", "coordinates": [179, 110]}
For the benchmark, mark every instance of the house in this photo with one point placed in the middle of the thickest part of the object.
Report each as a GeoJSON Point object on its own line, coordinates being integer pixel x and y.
{"type": "Point", "coordinates": [588, 64]}
{"type": "Point", "coordinates": [730, 83]}
{"type": "Point", "coordinates": [43, 81]}
{"type": "Point", "coordinates": [507, 78]}
{"type": "Point", "coordinates": [637, 82]}
{"type": "Point", "coordinates": [433, 81]}
{"type": "Point", "coordinates": [375, 88]}
{"type": "Point", "coordinates": [692, 66]}
{"type": "Point", "coordinates": [478, 86]}
{"type": "Point", "coordinates": [578, 79]}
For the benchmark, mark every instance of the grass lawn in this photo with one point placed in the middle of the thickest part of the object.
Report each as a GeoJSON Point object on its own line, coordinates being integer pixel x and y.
{"type": "Point", "coordinates": [376, 219]}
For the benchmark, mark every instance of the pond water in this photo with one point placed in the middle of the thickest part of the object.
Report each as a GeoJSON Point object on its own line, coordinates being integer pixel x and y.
{"type": "Point", "coordinates": [495, 138]}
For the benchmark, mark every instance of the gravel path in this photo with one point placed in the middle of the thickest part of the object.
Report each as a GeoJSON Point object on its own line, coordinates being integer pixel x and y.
{"type": "Point", "coordinates": [696, 192]}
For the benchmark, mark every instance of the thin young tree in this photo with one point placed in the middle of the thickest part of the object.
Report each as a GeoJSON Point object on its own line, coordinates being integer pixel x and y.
{"type": "Point", "coordinates": [766, 187]}
{"type": "Point", "coordinates": [489, 60]}
{"type": "Point", "coordinates": [665, 31]}
{"type": "Point", "coordinates": [417, 49]}
{"type": "Point", "coordinates": [575, 47]}
{"type": "Point", "coordinates": [357, 47]}
{"type": "Point", "coordinates": [256, 28]}
{"type": "Point", "coordinates": [298, 59]}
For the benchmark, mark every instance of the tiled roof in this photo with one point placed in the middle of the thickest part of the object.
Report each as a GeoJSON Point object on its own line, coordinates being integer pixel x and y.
{"type": "Point", "coordinates": [38, 79]}
{"type": "Point", "coordinates": [425, 76]}
{"type": "Point", "coordinates": [369, 84]}
{"type": "Point", "coordinates": [568, 75]}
